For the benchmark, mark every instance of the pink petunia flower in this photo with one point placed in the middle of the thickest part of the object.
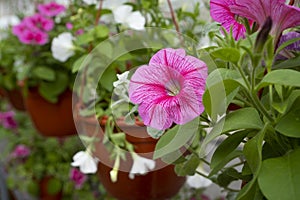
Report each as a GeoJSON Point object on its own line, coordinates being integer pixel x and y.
{"type": "Point", "coordinates": [7, 120]}
{"type": "Point", "coordinates": [51, 9]}
{"type": "Point", "coordinates": [283, 16]}
{"type": "Point", "coordinates": [40, 22]}
{"type": "Point", "coordinates": [79, 32]}
{"type": "Point", "coordinates": [19, 29]}
{"type": "Point", "coordinates": [220, 12]}
{"type": "Point", "coordinates": [21, 151]}
{"type": "Point", "coordinates": [77, 177]}
{"type": "Point", "coordinates": [169, 89]}
{"type": "Point", "coordinates": [35, 37]}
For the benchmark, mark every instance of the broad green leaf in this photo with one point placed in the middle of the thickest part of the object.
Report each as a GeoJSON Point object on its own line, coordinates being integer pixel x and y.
{"type": "Point", "coordinates": [245, 118]}
{"type": "Point", "coordinates": [188, 167]}
{"type": "Point", "coordinates": [220, 165]}
{"type": "Point", "coordinates": [51, 90]}
{"type": "Point", "coordinates": [226, 147]}
{"type": "Point", "coordinates": [107, 79]}
{"type": "Point", "coordinates": [279, 178]}
{"type": "Point", "coordinates": [227, 54]}
{"type": "Point", "coordinates": [289, 63]}
{"type": "Point", "coordinates": [289, 124]}
{"type": "Point", "coordinates": [253, 153]}
{"type": "Point", "coordinates": [175, 138]}
{"type": "Point", "coordinates": [250, 191]}
{"type": "Point", "coordinates": [78, 64]}
{"type": "Point", "coordinates": [154, 133]}
{"type": "Point", "coordinates": [287, 77]}
{"type": "Point", "coordinates": [44, 73]}
{"type": "Point", "coordinates": [101, 31]}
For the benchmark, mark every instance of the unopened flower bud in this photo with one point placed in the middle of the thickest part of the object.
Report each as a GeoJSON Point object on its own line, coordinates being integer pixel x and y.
{"type": "Point", "coordinates": [263, 35]}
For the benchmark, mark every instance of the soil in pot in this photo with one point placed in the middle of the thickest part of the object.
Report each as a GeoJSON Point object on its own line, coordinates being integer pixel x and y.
{"type": "Point", "coordinates": [51, 119]}
{"type": "Point", "coordinates": [159, 184]}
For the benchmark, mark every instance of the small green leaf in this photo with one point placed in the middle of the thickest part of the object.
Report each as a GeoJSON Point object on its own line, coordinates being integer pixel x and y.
{"type": "Point", "coordinates": [279, 178]}
{"type": "Point", "coordinates": [175, 138]}
{"type": "Point", "coordinates": [227, 54]}
{"type": "Point", "coordinates": [54, 186]}
{"type": "Point", "coordinates": [44, 73]}
{"type": "Point", "coordinates": [226, 147]}
{"type": "Point", "coordinates": [78, 64]}
{"type": "Point", "coordinates": [287, 77]}
{"type": "Point", "coordinates": [101, 31]}
{"type": "Point", "coordinates": [189, 166]}
{"type": "Point", "coordinates": [289, 124]}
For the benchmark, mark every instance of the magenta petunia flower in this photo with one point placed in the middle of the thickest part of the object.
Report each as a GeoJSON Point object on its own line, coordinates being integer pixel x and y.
{"type": "Point", "coordinates": [51, 9]}
{"type": "Point", "coordinates": [77, 177]}
{"type": "Point", "coordinates": [40, 22]}
{"type": "Point", "coordinates": [21, 151]}
{"type": "Point", "coordinates": [283, 16]}
{"type": "Point", "coordinates": [7, 120]}
{"type": "Point", "coordinates": [35, 37]}
{"type": "Point", "coordinates": [170, 89]}
{"type": "Point", "coordinates": [220, 12]}
{"type": "Point", "coordinates": [19, 29]}
{"type": "Point", "coordinates": [69, 26]}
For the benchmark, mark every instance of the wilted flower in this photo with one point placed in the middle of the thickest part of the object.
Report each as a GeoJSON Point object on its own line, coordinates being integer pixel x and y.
{"type": "Point", "coordinates": [21, 151]}
{"type": "Point", "coordinates": [51, 9]}
{"type": "Point", "coordinates": [140, 165]}
{"type": "Point", "coordinates": [124, 15]}
{"type": "Point", "coordinates": [62, 47]}
{"type": "Point", "coordinates": [86, 163]}
{"type": "Point", "coordinates": [77, 177]}
{"type": "Point", "coordinates": [7, 120]}
{"type": "Point", "coordinates": [169, 89]}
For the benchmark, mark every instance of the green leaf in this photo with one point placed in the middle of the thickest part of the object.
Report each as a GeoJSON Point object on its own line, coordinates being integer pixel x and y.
{"type": "Point", "coordinates": [245, 118]}
{"type": "Point", "coordinates": [253, 153]}
{"type": "Point", "coordinates": [78, 64]}
{"type": "Point", "coordinates": [287, 77]}
{"type": "Point", "coordinates": [289, 63]}
{"type": "Point", "coordinates": [226, 147]}
{"type": "Point", "coordinates": [279, 178]}
{"type": "Point", "coordinates": [154, 133]}
{"type": "Point", "coordinates": [227, 54]}
{"type": "Point", "coordinates": [289, 124]}
{"type": "Point", "coordinates": [175, 138]}
{"type": "Point", "coordinates": [44, 73]}
{"type": "Point", "coordinates": [101, 31]}
{"type": "Point", "coordinates": [188, 167]}
{"type": "Point", "coordinates": [107, 79]}
{"type": "Point", "coordinates": [51, 90]}
{"type": "Point", "coordinates": [54, 186]}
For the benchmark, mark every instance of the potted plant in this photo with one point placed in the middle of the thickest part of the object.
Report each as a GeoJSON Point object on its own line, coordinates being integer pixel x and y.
{"type": "Point", "coordinates": [46, 76]}
{"type": "Point", "coordinates": [39, 166]}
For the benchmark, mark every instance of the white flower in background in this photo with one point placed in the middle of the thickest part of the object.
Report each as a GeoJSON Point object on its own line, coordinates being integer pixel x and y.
{"type": "Point", "coordinates": [9, 20]}
{"type": "Point", "coordinates": [91, 2]}
{"type": "Point", "coordinates": [124, 15]}
{"type": "Point", "coordinates": [62, 47]}
{"type": "Point", "coordinates": [121, 88]}
{"type": "Point", "coordinates": [198, 181]}
{"type": "Point", "coordinates": [63, 2]}
{"type": "Point", "coordinates": [140, 165]}
{"type": "Point", "coordinates": [187, 6]}
{"type": "Point", "coordinates": [112, 4]}
{"type": "Point", "coordinates": [86, 163]}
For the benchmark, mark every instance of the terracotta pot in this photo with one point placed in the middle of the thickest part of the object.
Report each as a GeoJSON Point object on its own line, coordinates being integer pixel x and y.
{"type": "Point", "coordinates": [2, 93]}
{"type": "Point", "coordinates": [44, 194]}
{"type": "Point", "coordinates": [51, 119]}
{"type": "Point", "coordinates": [16, 99]}
{"type": "Point", "coordinates": [159, 184]}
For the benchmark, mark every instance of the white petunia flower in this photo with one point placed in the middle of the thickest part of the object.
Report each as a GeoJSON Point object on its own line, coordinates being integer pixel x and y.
{"type": "Point", "coordinates": [124, 15]}
{"type": "Point", "coordinates": [86, 163]}
{"type": "Point", "coordinates": [62, 47]}
{"type": "Point", "coordinates": [198, 181]}
{"type": "Point", "coordinates": [9, 20]}
{"type": "Point", "coordinates": [112, 4]}
{"type": "Point", "coordinates": [140, 165]}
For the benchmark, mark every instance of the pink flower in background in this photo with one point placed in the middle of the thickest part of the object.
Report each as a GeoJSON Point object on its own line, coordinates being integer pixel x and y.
{"type": "Point", "coordinates": [283, 16]}
{"type": "Point", "coordinates": [79, 32]}
{"type": "Point", "coordinates": [40, 22]}
{"type": "Point", "coordinates": [77, 177]}
{"type": "Point", "coordinates": [21, 151]}
{"type": "Point", "coordinates": [169, 89]}
{"type": "Point", "coordinates": [220, 11]}
{"type": "Point", "coordinates": [19, 29]}
{"type": "Point", "coordinates": [7, 120]}
{"type": "Point", "coordinates": [51, 9]}
{"type": "Point", "coordinates": [69, 26]}
{"type": "Point", "coordinates": [35, 37]}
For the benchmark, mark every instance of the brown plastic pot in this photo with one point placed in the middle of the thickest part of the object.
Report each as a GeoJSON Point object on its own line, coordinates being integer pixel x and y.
{"type": "Point", "coordinates": [44, 194]}
{"type": "Point", "coordinates": [16, 99]}
{"type": "Point", "coordinates": [159, 184]}
{"type": "Point", "coordinates": [51, 119]}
